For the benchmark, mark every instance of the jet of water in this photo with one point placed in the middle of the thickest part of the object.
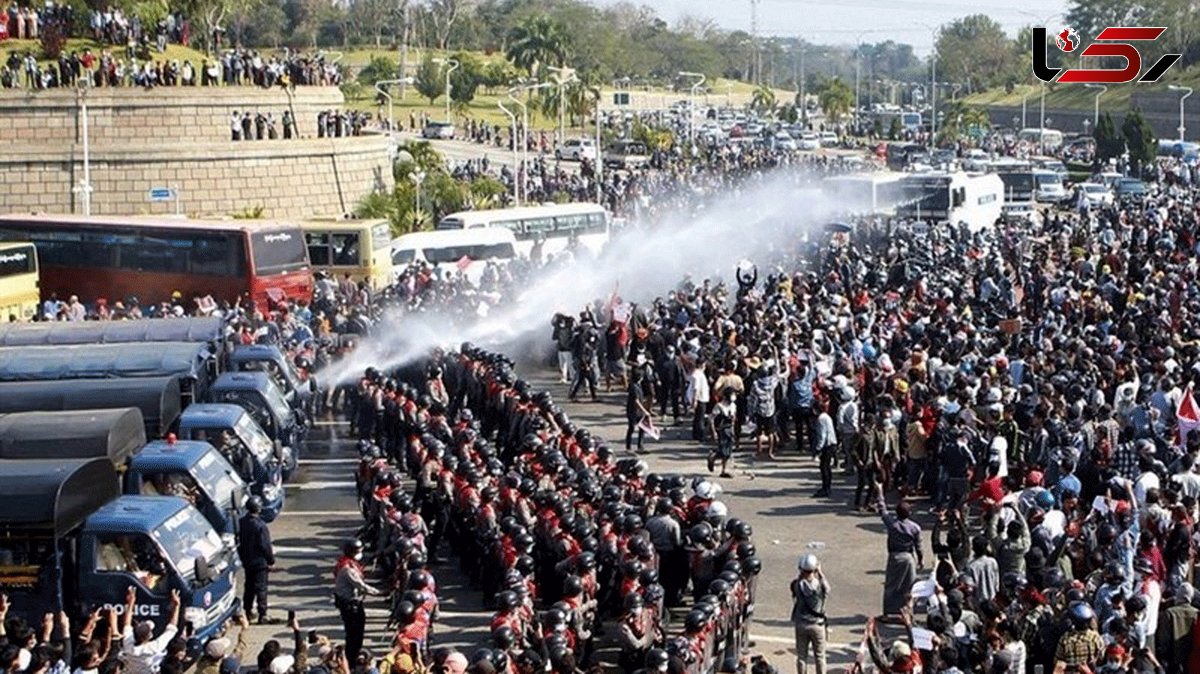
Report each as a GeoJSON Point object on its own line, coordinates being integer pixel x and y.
{"type": "Point", "coordinates": [772, 217]}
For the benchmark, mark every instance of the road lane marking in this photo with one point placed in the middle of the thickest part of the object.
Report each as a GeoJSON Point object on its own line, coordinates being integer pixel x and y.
{"type": "Point", "coordinates": [321, 513]}
{"type": "Point", "coordinates": [302, 551]}
{"type": "Point", "coordinates": [323, 484]}
{"type": "Point", "coordinates": [324, 462]}
{"type": "Point", "coordinates": [326, 422]}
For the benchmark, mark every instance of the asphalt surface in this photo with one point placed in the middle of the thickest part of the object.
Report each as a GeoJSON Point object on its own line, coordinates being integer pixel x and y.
{"type": "Point", "coordinates": [774, 496]}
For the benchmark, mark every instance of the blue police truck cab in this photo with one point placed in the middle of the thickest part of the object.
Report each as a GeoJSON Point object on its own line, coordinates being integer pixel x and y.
{"type": "Point", "coordinates": [244, 444]}
{"type": "Point", "coordinates": [72, 543]}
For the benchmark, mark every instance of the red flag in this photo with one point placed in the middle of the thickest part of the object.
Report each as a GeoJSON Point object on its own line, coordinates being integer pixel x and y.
{"type": "Point", "coordinates": [463, 263]}
{"type": "Point", "coordinates": [1187, 415]}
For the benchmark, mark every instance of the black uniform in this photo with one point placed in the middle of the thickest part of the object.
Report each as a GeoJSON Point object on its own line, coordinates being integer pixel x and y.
{"type": "Point", "coordinates": [258, 556]}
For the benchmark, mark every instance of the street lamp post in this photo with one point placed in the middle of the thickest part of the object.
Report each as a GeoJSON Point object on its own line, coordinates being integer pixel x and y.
{"type": "Point", "coordinates": [453, 66]}
{"type": "Point", "coordinates": [382, 87]}
{"type": "Point", "coordinates": [1096, 102]}
{"type": "Point", "coordinates": [563, 77]}
{"type": "Point", "coordinates": [84, 189]}
{"type": "Point", "coordinates": [1187, 92]}
{"type": "Point", "coordinates": [700, 77]}
{"type": "Point", "coordinates": [933, 31]}
{"type": "Point", "coordinates": [599, 168]}
{"type": "Point", "coordinates": [513, 138]}
{"type": "Point", "coordinates": [524, 119]}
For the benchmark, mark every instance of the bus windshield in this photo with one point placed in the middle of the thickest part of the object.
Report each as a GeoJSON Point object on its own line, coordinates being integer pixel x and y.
{"type": "Point", "coordinates": [278, 252]}
{"type": "Point", "coordinates": [17, 260]}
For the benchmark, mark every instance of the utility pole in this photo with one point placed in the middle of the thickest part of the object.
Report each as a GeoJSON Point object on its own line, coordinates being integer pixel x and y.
{"type": "Point", "coordinates": [404, 53]}
{"type": "Point", "coordinates": [757, 61]}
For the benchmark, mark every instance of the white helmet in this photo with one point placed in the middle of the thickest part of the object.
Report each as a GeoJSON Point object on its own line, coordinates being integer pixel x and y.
{"type": "Point", "coordinates": [704, 489]}
{"type": "Point", "coordinates": [716, 510]}
{"type": "Point", "coordinates": [808, 562]}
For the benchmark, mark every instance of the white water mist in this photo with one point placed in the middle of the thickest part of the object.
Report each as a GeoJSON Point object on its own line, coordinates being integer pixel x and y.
{"type": "Point", "coordinates": [771, 217]}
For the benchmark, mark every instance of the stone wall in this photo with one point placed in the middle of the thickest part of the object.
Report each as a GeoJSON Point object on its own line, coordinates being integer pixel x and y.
{"type": "Point", "coordinates": [179, 138]}
{"type": "Point", "coordinates": [138, 116]}
{"type": "Point", "coordinates": [300, 178]}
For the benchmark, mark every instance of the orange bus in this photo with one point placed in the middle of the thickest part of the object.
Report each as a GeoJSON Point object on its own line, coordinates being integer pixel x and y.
{"type": "Point", "coordinates": [150, 258]}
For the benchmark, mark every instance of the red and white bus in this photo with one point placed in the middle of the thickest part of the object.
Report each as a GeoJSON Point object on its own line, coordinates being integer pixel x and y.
{"type": "Point", "coordinates": [150, 258]}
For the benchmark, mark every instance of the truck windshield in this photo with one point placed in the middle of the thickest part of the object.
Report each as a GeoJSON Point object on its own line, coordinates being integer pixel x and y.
{"type": "Point", "coordinates": [253, 436]}
{"type": "Point", "coordinates": [186, 537]}
{"type": "Point", "coordinates": [210, 471]}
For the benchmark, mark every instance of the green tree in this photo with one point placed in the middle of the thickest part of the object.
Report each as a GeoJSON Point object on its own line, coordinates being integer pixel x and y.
{"type": "Point", "coordinates": [537, 42]}
{"type": "Point", "coordinates": [429, 81]}
{"type": "Point", "coordinates": [1109, 144]}
{"type": "Point", "coordinates": [762, 100]}
{"type": "Point", "coordinates": [976, 51]}
{"type": "Point", "coordinates": [835, 99]}
{"type": "Point", "coordinates": [582, 96]}
{"type": "Point", "coordinates": [498, 74]}
{"type": "Point", "coordinates": [466, 78]}
{"type": "Point", "coordinates": [1139, 138]}
{"type": "Point", "coordinates": [379, 68]}
{"type": "Point", "coordinates": [789, 113]}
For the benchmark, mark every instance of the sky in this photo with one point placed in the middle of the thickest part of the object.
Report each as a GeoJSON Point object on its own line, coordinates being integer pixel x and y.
{"type": "Point", "coordinates": [845, 21]}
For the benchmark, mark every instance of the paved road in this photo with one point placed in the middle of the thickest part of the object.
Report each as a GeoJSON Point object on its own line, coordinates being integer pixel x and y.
{"type": "Point", "coordinates": [774, 496]}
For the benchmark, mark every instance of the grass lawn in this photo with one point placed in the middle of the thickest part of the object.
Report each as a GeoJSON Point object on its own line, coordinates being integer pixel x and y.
{"type": "Point", "coordinates": [1073, 96]}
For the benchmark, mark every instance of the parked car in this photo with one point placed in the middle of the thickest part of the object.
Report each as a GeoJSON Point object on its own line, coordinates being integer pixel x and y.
{"type": "Point", "coordinates": [438, 131]}
{"type": "Point", "coordinates": [1130, 188]}
{"type": "Point", "coordinates": [626, 154]}
{"type": "Point", "coordinates": [1094, 194]}
{"type": "Point", "coordinates": [784, 141]}
{"type": "Point", "coordinates": [828, 139]}
{"type": "Point", "coordinates": [809, 141]}
{"type": "Point", "coordinates": [577, 149]}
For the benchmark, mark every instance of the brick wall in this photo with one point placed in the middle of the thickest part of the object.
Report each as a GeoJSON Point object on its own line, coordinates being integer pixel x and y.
{"type": "Point", "coordinates": [127, 115]}
{"type": "Point", "coordinates": [180, 138]}
{"type": "Point", "coordinates": [302, 178]}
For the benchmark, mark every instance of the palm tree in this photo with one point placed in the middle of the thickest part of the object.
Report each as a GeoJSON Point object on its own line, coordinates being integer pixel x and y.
{"type": "Point", "coordinates": [836, 99]}
{"type": "Point", "coordinates": [582, 98]}
{"type": "Point", "coordinates": [763, 100]}
{"type": "Point", "coordinates": [538, 41]}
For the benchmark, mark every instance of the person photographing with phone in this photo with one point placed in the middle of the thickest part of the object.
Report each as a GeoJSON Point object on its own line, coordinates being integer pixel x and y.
{"type": "Point", "coordinates": [809, 592]}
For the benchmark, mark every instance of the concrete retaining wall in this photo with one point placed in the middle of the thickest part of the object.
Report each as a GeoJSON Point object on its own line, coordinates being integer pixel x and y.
{"type": "Point", "coordinates": [179, 137]}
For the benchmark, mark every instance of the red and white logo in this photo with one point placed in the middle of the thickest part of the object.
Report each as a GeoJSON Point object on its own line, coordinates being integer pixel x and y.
{"type": "Point", "coordinates": [1067, 40]}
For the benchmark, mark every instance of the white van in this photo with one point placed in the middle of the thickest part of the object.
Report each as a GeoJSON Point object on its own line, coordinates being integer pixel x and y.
{"type": "Point", "coordinates": [450, 251]}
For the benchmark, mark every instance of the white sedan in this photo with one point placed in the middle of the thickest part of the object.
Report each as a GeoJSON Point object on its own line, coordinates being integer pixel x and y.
{"type": "Point", "coordinates": [1094, 194]}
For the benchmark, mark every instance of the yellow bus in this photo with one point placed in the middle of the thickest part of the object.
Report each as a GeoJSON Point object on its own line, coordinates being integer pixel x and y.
{"type": "Point", "coordinates": [18, 281]}
{"type": "Point", "coordinates": [361, 247]}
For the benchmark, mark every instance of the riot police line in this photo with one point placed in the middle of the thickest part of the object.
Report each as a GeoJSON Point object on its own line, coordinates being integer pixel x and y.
{"type": "Point", "coordinates": [558, 533]}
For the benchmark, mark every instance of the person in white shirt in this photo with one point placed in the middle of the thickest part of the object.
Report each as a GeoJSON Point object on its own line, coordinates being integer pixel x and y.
{"type": "Point", "coordinates": [1146, 481]}
{"type": "Point", "coordinates": [140, 650]}
{"type": "Point", "coordinates": [697, 397]}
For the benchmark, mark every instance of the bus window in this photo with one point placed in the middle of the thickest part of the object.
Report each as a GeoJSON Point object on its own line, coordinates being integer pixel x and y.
{"type": "Point", "coordinates": [318, 248]}
{"type": "Point", "coordinates": [276, 252]}
{"type": "Point", "coordinates": [570, 223]}
{"type": "Point", "coordinates": [17, 260]}
{"type": "Point", "coordinates": [536, 226]}
{"type": "Point", "coordinates": [516, 226]}
{"type": "Point", "coordinates": [345, 249]}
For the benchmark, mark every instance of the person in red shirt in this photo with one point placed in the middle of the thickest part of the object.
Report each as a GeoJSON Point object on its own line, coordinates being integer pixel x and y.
{"type": "Point", "coordinates": [991, 491]}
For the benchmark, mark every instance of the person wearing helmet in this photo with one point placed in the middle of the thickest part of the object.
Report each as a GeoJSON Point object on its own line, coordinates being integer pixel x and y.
{"type": "Point", "coordinates": [349, 590]}
{"type": "Point", "coordinates": [1081, 645]}
{"type": "Point", "coordinates": [258, 558]}
{"type": "Point", "coordinates": [809, 592]}
{"type": "Point", "coordinates": [635, 634]}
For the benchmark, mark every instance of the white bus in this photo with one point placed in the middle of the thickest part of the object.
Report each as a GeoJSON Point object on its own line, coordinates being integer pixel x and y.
{"type": "Point", "coordinates": [467, 251]}
{"type": "Point", "coordinates": [974, 199]}
{"type": "Point", "coordinates": [874, 193]}
{"type": "Point", "coordinates": [554, 225]}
